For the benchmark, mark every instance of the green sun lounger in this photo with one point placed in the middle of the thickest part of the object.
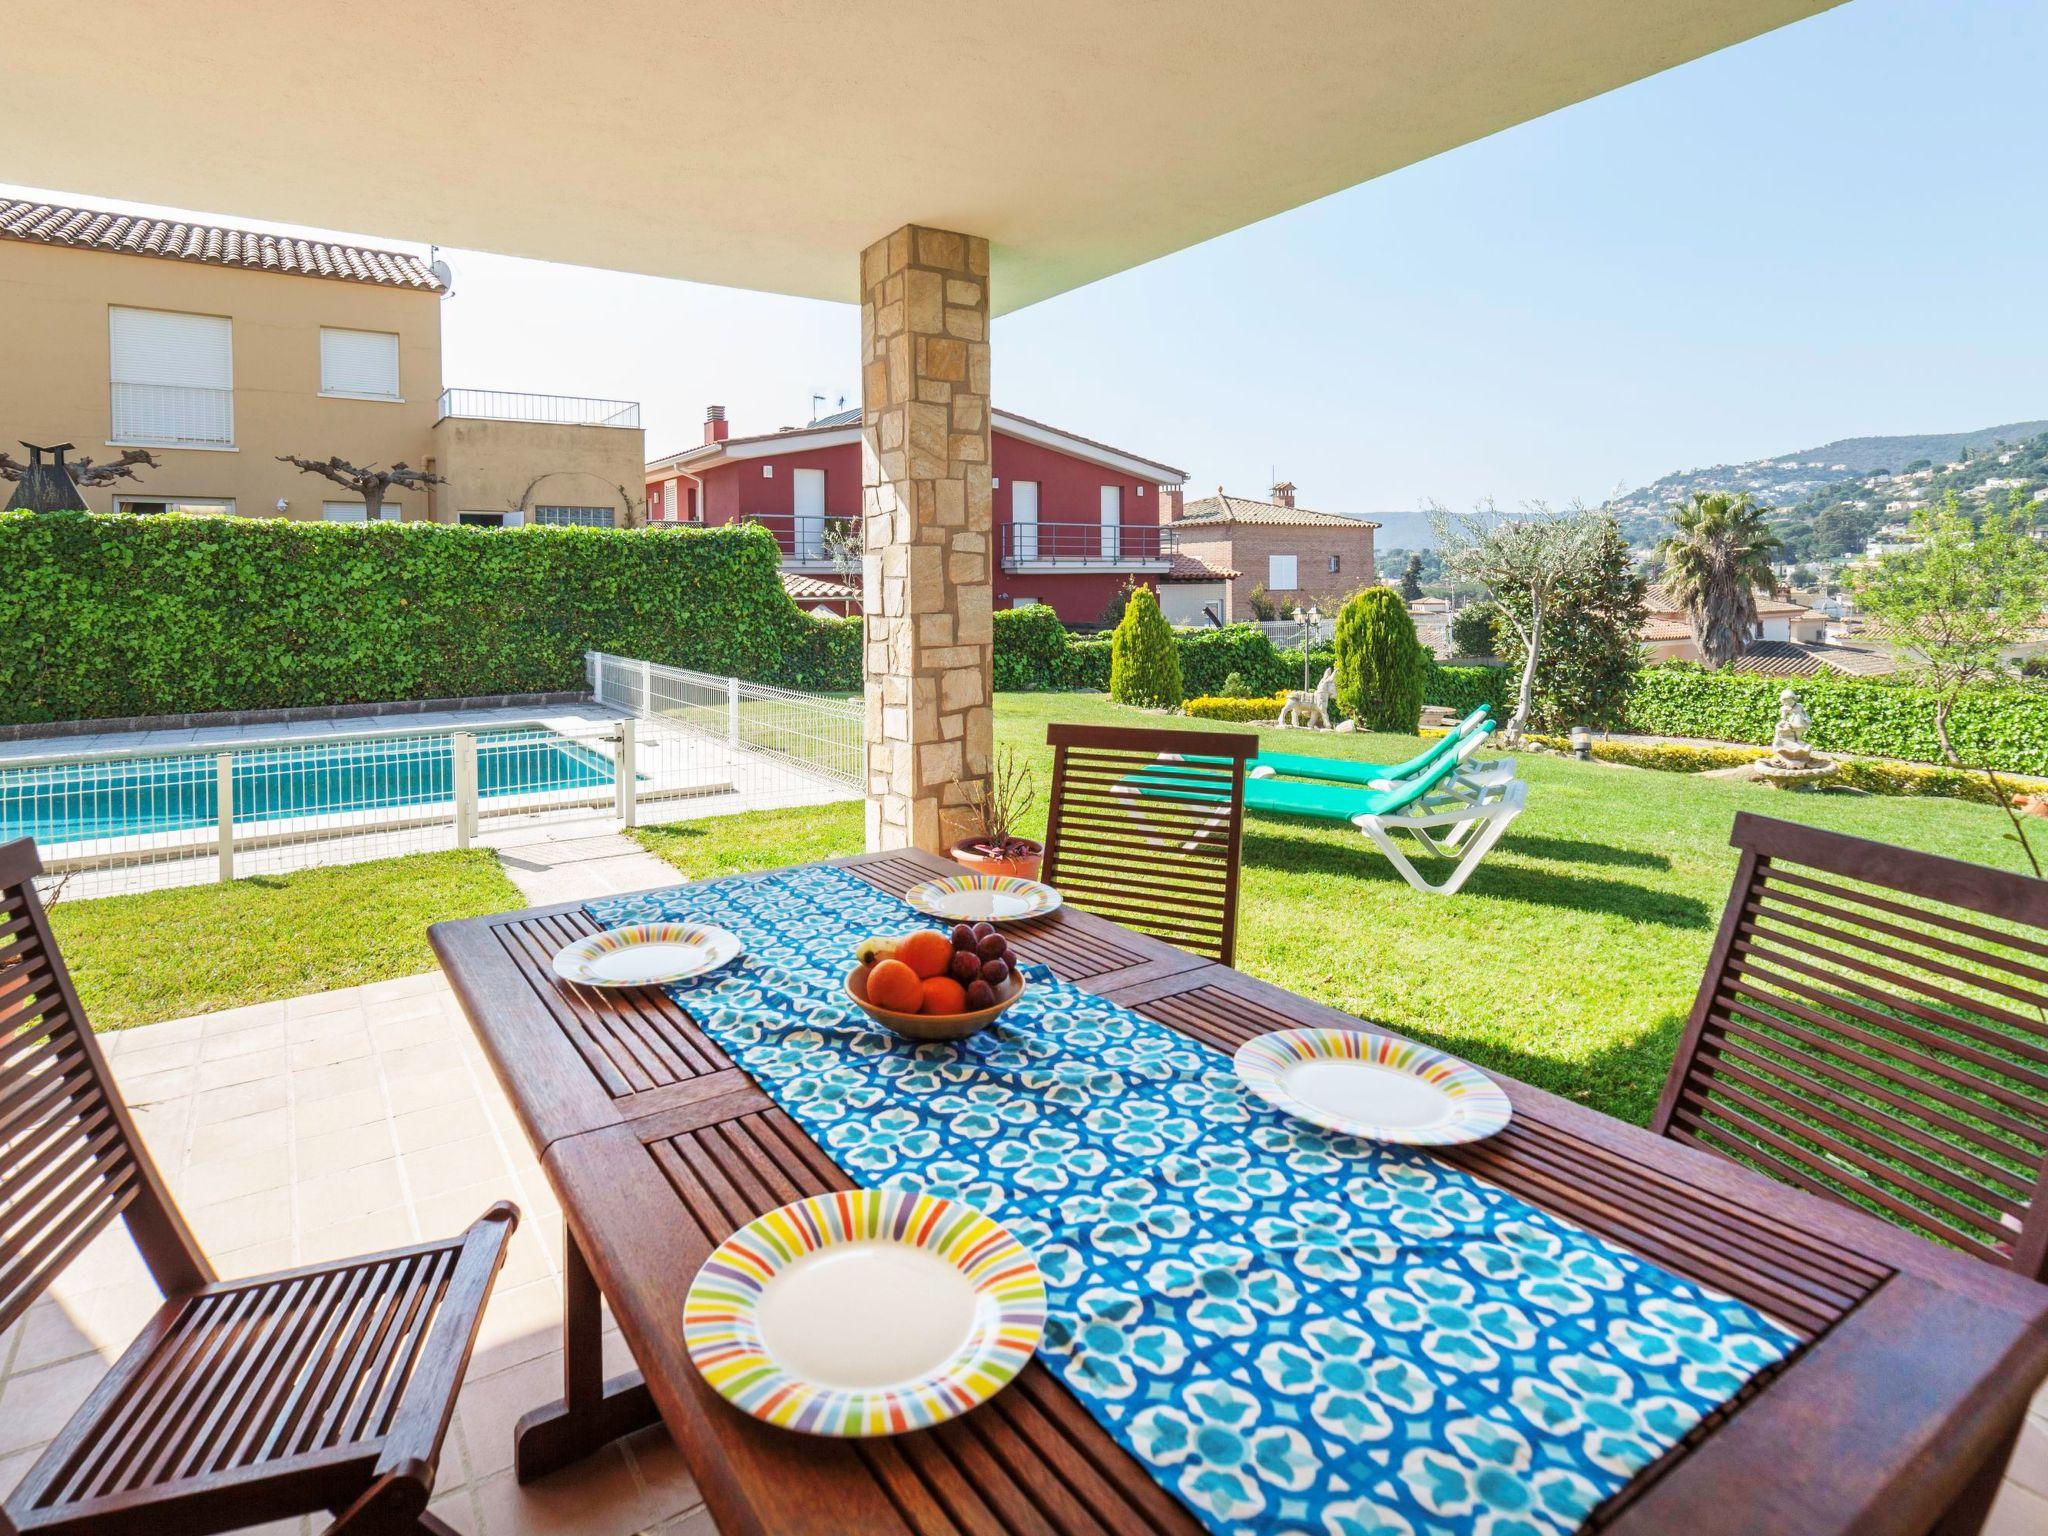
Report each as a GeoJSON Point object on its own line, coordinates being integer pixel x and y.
{"type": "Point", "coordinates": [1447, 825]}
{"type": "Point", "coordinates": [1339, 770]}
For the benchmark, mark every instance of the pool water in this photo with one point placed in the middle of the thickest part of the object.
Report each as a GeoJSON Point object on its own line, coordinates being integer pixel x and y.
{"type": "Point", "coordinates": [130, 797]}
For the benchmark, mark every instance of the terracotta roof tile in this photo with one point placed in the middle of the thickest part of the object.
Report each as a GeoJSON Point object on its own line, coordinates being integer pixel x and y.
{"type": "Point", "coordinates": [127, 234]}
{"type": "Point", "coordinates": [1220, 509]}
{"type": "Point", "coordinates": [1187, 567]}
{"type": "Point", "coordinates": [816, 589]}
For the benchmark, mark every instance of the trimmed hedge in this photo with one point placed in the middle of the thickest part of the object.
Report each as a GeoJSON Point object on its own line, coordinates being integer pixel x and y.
{"type": "Point", "coordinates": [1031, 650]}
{"type": "Point", "coordinates": [1464, 689]}
{"type": "Point", "coordinates": [1869, 775]}
{"type": "Point", "coordinates": [112, 615]}
{"type": "Point", "coordinates": [1267, 710]}
{"type": "Point", "coordinates": [2002, 728]}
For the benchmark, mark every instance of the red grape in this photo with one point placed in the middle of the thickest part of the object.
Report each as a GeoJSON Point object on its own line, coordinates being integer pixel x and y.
{"type": "Point", "coordinates": [980, 995]}
{"type": "Point", "coordinates": [965, 967]}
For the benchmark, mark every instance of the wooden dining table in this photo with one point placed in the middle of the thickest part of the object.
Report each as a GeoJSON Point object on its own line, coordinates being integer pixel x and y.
{"type": "Point", "coordinates": [1914, 1369]}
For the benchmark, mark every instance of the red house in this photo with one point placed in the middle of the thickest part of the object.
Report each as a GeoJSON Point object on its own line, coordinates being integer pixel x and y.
{"type": "Point", "coordinates": [1074, 519]}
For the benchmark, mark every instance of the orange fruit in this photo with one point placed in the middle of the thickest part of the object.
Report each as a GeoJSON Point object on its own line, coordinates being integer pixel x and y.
{"type": "Point", "coordinates": [894, 985]}
{"type": "Point", "coordinates": [926, 952]}
{"type": "Point", "coordinates": [944, 995]}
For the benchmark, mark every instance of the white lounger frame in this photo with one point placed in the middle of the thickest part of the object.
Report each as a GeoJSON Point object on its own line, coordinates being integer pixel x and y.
{"type": "Point", "coordinates": [1475, 825]}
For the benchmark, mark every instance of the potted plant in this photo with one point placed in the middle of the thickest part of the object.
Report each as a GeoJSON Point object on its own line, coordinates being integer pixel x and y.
{"type": "Point", "coordinates": [999, 803]}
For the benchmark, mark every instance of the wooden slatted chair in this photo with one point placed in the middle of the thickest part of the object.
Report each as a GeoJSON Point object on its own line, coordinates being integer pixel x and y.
{"type": "Point", "coordinates": [1873, 1027]}
{"type": "Point", "coordinates": [1146, 829]}
{"type": "Point", "coordinates": [322, 1388]}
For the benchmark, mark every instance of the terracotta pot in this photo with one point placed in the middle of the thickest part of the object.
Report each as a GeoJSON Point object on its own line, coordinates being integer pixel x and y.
{"type": "Point", "coordinates": [1024, 865]}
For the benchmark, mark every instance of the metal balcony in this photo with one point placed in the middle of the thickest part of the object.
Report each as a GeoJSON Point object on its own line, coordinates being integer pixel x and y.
{"type": "Point", "coordinates": [827, 541]}
{"type": "Point", "coordinates": [1060, 546]}
{"type": "Point", "coordinates": [548, 410]}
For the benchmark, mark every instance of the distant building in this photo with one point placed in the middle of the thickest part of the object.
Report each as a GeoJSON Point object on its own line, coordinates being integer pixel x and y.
{"type": "Point", "coordinates": [217, 349]}
{"type": "Point", "coordinates": [1300, 556]}
{"type": "Point", "coordinates": [1666, 634]}
{"type": "Point", "coordinates": [1071, 519]}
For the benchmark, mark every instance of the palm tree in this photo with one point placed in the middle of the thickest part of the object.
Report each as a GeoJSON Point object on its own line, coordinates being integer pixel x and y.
{"type": "Point", "coordinates": [1713, 565]}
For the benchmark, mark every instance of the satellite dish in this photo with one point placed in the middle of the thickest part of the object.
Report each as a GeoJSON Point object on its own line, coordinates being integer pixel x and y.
{"type": "Point", "coordinates": [445, 274]}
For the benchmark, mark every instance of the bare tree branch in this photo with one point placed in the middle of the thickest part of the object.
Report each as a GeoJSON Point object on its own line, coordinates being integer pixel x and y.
{"type": "Point", "coordinates": [368, 481]}
{"type": "Point", "coordinates": [85, 473]}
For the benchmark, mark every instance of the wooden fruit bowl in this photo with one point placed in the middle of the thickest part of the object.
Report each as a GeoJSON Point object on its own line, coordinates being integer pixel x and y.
{"type": "Point", "coordinates": [933, 1026]}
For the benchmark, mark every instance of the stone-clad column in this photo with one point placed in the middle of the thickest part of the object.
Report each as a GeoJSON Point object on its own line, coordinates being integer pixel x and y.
{"type": "Point", "coordinates": [925, 479]}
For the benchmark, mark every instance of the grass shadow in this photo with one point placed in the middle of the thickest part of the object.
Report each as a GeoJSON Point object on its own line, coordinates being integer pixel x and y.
{"type": "Point", "coordinates": [1536, 887]}
{"type": "Point", "coordinates": [1624, 1077]}
{"type": "Point", "coordinates": [1572, 850]}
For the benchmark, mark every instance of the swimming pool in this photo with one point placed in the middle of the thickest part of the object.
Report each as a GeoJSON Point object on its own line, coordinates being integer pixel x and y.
{"type": "Point", "coordinates": [88, 799]}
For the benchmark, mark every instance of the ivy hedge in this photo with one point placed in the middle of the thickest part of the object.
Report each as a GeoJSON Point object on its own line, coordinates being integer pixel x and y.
{"type": "Point", "coordinates": [2003, 728]}
{"type": "Point", "coordinates": [112, 615]}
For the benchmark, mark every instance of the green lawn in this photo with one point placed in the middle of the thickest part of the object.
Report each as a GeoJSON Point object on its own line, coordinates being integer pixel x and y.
{"type": "Point", "coordinates": [164, 954]}
{"type": "Point", "coordinates": [1569, 960]}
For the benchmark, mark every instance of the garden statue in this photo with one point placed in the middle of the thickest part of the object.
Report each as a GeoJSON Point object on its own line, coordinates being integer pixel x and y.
{"type": "Point", "coordinates": [1792, 762]}
{"type": "Point", "coordinates": [1311, 709]}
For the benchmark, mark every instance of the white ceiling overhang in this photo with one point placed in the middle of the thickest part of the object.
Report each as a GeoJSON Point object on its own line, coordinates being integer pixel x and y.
{"type": "Point", "coordinates": [762, 145]}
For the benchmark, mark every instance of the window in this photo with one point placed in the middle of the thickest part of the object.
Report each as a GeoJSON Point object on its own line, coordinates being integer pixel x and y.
{"type": "Point", "coordinates": [1112, 521]}
{"type": "Point", "coordinates": [1024, 602]}
{"type": "Point", "coordinates": [574, 517]}
{"type": "Point", "coordinates": [197, 506]}
{"type": "Point", "coordinates": [482, 519]}
{"type": "Point", "coordinates": [1336, 564]}
{"type": "Point", "coordinates": [359, 365]}
{"type": "Point", "coordinates": [172, 378]}
{"type": "Point", "coordinates": [354, 512]}
{"type": "Point", "coordinates": [1280, 575]}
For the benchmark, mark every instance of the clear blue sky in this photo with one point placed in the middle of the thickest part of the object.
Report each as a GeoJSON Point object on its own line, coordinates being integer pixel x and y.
{"type": "Point", "coordinates": [1834, 230]}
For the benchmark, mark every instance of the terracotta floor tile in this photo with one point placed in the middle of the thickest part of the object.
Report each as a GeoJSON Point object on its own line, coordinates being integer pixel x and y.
{"type": "Point", "coordinates": [344, 1194]}
{"type": "Point", "coordinates": [342, 1045]}
{"type": "Point", "coordinates": [493, 1405]}
{"type": "Point", "coordinates": [210, 1183]}
{"type": "Point", "coordinates": [340, 1111]}
{"type": "Point", "coordinates": [335, 1151]}
{"type": "Point", "coordinates": [2018, 1512]}
{"type": "Point", "coordinates": [241, 1042]}
{"type": "Point", "coordinates": [332, 1081]}
{"type": "Point", "coordinates": [598, 1496]}
{"type": "Point", "coordinates": [662, 1472]}
{"type": "Point", "coordinates": [429, 1090]}
{"type": "Point", "coordinates": [214, 1139]}
{"type": "Point", "coordinates": [34, 1405]}
{"type": "Point", "coordinates": [356, 1236]}
{"type": "Point", "coordinates": [264, 1066]}
{"type": "Point", "coordinates": [522, 1323]}
{"type": "Point", "coordinates": [455, 1165]}
{"type": "Point", "coordinates": [445, 1215]}
{"type": "Point", "coordinates": [436, 1127]}
{"type": "Point", "coordinates": [257, 1218]}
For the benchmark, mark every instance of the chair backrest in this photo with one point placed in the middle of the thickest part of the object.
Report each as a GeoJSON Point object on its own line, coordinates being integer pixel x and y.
{"type": "Point", "coordinates": [1873, 1026]}
{"type": "Point", "coordinates": [1164, 860]}
{"type": "Point", "coordinates": [70, 1158]}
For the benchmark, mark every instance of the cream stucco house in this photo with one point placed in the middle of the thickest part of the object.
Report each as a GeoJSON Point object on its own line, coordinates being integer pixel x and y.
{"type": "Point", "coordinates": [218, 349]}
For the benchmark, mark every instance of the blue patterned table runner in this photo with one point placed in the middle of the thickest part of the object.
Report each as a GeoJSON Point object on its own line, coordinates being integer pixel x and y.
{"type": "Point", "coordinates": [1293, 1331]}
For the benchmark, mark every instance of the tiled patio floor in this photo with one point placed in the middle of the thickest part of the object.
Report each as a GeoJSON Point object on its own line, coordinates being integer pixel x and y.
{"type": "Point", "coordinates": [337, 1124]}
{"type": "Point", "coordinates": [348, 1121]}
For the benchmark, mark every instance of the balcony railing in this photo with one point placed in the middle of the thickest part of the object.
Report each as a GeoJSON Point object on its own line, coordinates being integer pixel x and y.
{"type": "Point", "coordinates": [1113, 545]}
{"type": "Point", "coordinates": [550, 410]}
{"type": "Point", "coordinates": [173, 416]}
{"type": "Point", "coordinates": [807, 539]}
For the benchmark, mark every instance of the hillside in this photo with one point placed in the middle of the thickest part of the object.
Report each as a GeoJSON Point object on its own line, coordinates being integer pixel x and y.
{"type": "Point", "coordinates": [1814, 478]}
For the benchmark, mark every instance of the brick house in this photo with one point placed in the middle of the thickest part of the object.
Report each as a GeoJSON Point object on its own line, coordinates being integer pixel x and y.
{"type": "Point", "coordinates": [1073, 519]}
{"type": "Point", "coordinates": [1298, 555]}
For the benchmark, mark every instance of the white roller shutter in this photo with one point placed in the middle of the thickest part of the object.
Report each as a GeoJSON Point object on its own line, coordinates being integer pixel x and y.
{"type": "Point", "coordinates": [360, 363]}
{"type": "Point", "coordinates": [173, 377]}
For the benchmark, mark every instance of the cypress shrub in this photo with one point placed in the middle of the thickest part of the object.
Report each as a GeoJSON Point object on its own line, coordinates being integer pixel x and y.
{"type": "Point", "coordinates": [1381, 666]}
{"type": "Point", "coordinates": [1144, 660]}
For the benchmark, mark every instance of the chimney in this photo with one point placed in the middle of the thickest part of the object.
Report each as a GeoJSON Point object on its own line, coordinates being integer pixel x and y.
{"type": "Point", "coordinates": [714, 424]}
{"type": "Point", "coordinates": [1283, 494]}
{"type": "Point", "coordinates": [1169, 503]}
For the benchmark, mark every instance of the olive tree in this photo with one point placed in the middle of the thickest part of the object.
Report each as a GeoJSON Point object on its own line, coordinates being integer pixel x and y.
{"type": "Point", "coordinates": [1528, 562]}
{"type": "Point", "coordinates": [1956, 603]}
